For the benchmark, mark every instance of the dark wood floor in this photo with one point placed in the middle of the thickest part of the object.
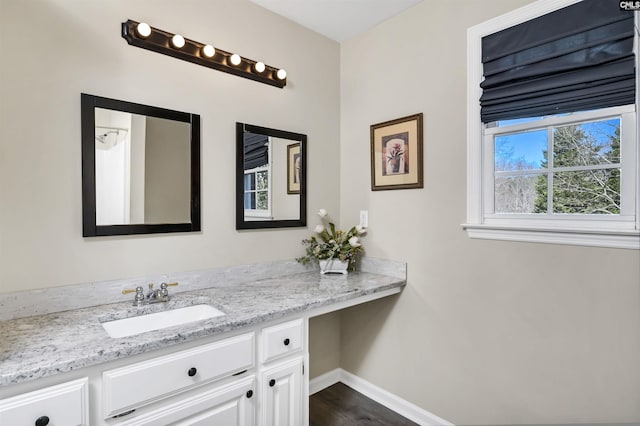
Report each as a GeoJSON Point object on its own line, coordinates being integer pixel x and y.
{"type": "Point", "coordinates": [339, 405]}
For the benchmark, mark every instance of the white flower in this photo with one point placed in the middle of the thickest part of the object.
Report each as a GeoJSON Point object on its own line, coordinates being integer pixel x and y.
{"type": "Point", "coordinates": [322, 213]}
{"type": "Point", "coordinates": [354, 242]}
{"type": "Point", "coordinates": [361, 229]}
{"type": "Point", "coordinates": [318, 229]}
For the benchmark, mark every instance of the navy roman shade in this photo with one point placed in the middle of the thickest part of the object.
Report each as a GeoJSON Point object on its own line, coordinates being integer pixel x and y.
{"type": "Point", "coordinates": [576, 58]}
{"type": "Point", "coordinates": [256, 150]}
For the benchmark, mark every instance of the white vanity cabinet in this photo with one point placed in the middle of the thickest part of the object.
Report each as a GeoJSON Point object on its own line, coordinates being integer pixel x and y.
{"type": "Point", "coordinates": [283, 382]}
{"type": "Point", "coordinates": [256, 378]}
{"type": "Point", "coordinates": [66, 404]}
{"type": "Point", "coordinates": [252, 376]}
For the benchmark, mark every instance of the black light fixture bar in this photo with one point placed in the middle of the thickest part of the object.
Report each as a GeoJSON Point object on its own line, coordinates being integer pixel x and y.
{"type": "Point", "coordinates": [161, 42]}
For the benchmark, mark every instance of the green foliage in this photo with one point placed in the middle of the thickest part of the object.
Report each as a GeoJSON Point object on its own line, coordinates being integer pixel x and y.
{"type": "Point", "coordinates": [594, 191]}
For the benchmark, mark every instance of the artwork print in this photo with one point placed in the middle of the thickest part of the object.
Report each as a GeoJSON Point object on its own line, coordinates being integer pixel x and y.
{"type": "Point", "coordinates": [294, 161]}
{"type": "Point", "coordinates": [396, 154]}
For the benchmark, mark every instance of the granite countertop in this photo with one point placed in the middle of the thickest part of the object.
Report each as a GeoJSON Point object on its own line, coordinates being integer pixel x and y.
{"type": "Point", "coordinates": [43, 345]}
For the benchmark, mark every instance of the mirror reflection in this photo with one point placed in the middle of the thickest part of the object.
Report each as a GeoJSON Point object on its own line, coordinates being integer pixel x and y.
{"type": "Point", "coordinates": [270, 177]}
{"type": "Point", "coordinates": [269, 192]}
{"type": "Point", "coordinates": [140, 168]}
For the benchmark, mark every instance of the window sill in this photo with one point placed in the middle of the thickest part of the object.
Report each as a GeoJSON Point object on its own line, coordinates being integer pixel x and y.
{"type": "Point", "coordinates": [592, 238]}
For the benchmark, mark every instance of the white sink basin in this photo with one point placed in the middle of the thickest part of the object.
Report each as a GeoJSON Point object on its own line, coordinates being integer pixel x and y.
{"type": "Point", "coordinates": [159, 320]}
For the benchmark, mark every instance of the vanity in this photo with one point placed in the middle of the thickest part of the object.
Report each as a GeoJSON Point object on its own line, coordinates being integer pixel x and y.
{"type": "Point", "coordinates": [246, 366]}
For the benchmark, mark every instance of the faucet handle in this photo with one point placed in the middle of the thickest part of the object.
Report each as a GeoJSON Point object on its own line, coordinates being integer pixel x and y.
{"type": "Point", "coordinates": [168, 285]}
{"type": "Point", "coordinates": [139, 295]}
{"type": "Point", "coordinates": [136, 290]}
{"type": "Point", "coordinates": [163, 288]}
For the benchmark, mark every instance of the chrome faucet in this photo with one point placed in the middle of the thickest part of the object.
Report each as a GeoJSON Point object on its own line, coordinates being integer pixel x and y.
{"type": "Point", "coordinates": [153, 296]}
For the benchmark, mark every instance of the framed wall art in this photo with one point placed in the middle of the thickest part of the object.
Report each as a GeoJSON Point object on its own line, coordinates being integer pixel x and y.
{"type": "Point", "coordinates": [293, 168]}
{"type": "Point", "coordinates": [396, 154]}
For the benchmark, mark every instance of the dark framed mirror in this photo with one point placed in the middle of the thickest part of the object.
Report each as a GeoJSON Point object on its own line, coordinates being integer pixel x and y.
{"type": "Point", "coordinates": [140, 168]}
{"type": "Point", "coordinates": [271, 183]}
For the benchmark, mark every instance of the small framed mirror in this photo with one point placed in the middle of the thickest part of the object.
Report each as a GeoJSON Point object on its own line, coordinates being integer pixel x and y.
{"type": "Point", "coordinates": [271, 183]}
{"type": "Point", "coordinates": [140, 168]}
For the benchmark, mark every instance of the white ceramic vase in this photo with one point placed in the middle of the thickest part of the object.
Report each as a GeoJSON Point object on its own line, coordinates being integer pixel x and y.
{"type": "Point", "coordinates": [333, 266]}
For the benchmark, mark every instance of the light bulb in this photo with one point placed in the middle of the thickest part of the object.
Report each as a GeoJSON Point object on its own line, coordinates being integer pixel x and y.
{"type": "Point", "coordinates": [209, 51]}
{"type": "Point", "coordinates": [236, 59]}
{"type": "Point", "coordinates": [281, 74]}
{"type": "Point", "coordinates": [143, 29]}
{"type": "Point", "coordinates": [259, 66]}
{"type": "Point", "coordinates": [177, 41]}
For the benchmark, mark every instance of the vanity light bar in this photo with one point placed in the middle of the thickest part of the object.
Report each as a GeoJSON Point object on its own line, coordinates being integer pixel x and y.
{"type": "Point", "coordinates": [142, 35]}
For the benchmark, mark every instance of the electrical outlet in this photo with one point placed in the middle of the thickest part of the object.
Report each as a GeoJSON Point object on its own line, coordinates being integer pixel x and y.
{"type": "Point", "coordinates": [364, 218]}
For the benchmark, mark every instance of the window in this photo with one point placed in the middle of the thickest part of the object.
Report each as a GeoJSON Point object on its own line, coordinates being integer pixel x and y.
{"type": "Point", "coordinates": [257, 185]}
{"type": "Point", "coordinates": [568, 177]}
{"type": "Point", "coordinates": [256, 192]}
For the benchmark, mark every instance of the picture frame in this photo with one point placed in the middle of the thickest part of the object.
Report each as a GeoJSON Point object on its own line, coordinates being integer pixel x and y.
{"type": "Point", "coordinates": [396, 154]}
{"type": "Point", "coordinates": [294, 162]}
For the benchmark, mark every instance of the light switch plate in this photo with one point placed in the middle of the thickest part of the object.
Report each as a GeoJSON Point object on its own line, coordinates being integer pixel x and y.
{"type": "Point", "coordinates": [364, 218]}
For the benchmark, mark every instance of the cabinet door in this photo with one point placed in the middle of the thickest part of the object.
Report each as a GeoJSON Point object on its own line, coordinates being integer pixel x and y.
{"type": "Point", "coordinates": [66, 404]}
{"type": "Point", "coordinates": [230, 405]}
{"type": "Point", "coordinates": [282, 394]}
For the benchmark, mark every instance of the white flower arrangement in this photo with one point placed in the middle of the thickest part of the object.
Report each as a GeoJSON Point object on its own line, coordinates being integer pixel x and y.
{"type": "Point", "coordinates": [331, 243]}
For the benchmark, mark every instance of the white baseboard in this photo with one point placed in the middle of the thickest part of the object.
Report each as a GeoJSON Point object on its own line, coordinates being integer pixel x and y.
{"type": "Point", "coordinates": [324, 381]}
{"type": "Point", "coordinates": [379, 395]}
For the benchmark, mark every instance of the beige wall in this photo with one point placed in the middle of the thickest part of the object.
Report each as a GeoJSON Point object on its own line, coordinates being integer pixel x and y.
{"type": "Point", "coordinates": [324, 343]}
{"type": "Point", "coordinates": [53, 50]}
{"type": "Point", "coordinates": [283, 205]}
{"type": "Point", "coordinates": [138, 138]}
{"type": "Point", "coordinates": [486, 332]}
{"type": "Point", "coordinates": [167, 195]}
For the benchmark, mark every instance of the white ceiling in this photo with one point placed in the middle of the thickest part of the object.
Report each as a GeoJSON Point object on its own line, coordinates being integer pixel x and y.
{"type": "Point", "coordinates": [337, 19]}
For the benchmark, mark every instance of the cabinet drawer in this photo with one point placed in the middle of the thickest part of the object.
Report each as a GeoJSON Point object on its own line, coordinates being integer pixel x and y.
{"type": "Point", "coordinates": [66, 404]}
{"type": "Point", "coordinates": [231, 405]}
{"type": "Point", "coordinates": [282, 339]}
{"type": "Point", "coordinates": [149, 381]}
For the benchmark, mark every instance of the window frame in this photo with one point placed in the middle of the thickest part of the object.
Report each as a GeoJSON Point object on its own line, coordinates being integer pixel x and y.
{"type": "Point", "coordinates": [619, 231]}
{"type": "Point", "coordinates": [260, 213]}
